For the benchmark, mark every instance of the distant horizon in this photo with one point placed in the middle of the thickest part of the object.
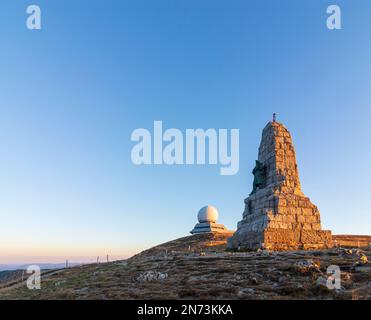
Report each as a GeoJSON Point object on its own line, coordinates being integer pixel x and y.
{"type": "Point", "coordinates": [23, 266]}
{"type": "Point", "coordinates": [47, 259]}
{"type": "Point", "coordinates": [59, 260]}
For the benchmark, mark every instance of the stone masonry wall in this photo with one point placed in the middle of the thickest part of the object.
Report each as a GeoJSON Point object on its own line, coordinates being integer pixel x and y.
{"type": "Point", "coordinates": [280, 206]}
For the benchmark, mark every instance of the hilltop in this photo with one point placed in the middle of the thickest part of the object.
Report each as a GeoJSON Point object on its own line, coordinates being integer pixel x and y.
{"type": "Point", "coordinates": [199, 267]}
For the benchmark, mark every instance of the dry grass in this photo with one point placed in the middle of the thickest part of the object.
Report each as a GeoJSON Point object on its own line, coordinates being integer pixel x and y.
{"type": "Point", "coordinates": [205, 272]}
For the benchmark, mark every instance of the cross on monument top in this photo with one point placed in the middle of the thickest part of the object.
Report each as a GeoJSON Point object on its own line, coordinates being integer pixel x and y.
{"type": "Point", "coordinates": [274, 117]}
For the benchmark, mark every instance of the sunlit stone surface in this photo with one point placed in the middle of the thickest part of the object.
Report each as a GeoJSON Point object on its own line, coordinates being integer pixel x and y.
{"type": "Point", "coordinates": [277, 214]}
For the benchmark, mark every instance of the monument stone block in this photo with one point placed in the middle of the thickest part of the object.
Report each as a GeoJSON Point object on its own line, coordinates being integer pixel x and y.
{"type": "Point", "coordinates": [277, 214]}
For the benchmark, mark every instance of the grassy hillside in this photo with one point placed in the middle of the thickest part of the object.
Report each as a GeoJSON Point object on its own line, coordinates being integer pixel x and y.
{"type": "Point", "coordinates": [198, 267]}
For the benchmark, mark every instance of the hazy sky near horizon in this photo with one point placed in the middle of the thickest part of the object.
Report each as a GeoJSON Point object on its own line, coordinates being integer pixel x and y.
{"type": "Point", "coordinates": [72, 93]}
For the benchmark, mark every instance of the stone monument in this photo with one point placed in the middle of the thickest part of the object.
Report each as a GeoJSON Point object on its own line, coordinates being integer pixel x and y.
{"type": "Point", "coordinates": [207, 218]}
{"type": "Point", "coordinates": [277, 214]}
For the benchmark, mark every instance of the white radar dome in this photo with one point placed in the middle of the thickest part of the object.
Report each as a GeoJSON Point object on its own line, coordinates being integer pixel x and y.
{"type": "Point", "coordinates": [208, 214]}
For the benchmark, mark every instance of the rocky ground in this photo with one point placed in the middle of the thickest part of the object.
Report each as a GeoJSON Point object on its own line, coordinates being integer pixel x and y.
{"type": "Point", "coordinates": [198, 267]}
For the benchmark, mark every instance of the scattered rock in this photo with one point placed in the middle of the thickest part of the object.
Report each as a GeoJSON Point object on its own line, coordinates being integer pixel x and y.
{"type": "Point", "coordinates": [306, 266]}
{"type": "Point", "coordinates": [321, 282]}
{"type": "Point", "coordinates": [245, 291]}
{"type": "Point", "coordinates": [237, 277]}
{"type": "Point", "coordinates": [253, 280]}
{"type": "Point", "coordinates": [151, 276]}
{"type": "Point", "coordinates": [363, 259]}
{"type": "Point", "coordinates": [362, 269]}
{"type": "Point", "coordinates": [345, 276]}
{"type": "Point", "coordinates": [248, 290]}
{"type": "Point", "coordinates": [58, 283]}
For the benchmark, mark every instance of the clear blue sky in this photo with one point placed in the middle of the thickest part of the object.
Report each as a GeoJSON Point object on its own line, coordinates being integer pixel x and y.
{"type": "Point", "coordinates": [72, 93]}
